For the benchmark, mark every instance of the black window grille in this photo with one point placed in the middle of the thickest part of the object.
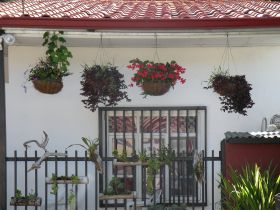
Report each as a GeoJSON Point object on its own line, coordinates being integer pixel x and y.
{"type": "Point", "coordinates": [135, 129]}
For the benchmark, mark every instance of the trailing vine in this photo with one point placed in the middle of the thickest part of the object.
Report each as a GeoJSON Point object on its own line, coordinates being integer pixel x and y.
{"type": "Point", "coordinates": [102, 85]}
{"type": "Point", "coordinates": [234, 91]}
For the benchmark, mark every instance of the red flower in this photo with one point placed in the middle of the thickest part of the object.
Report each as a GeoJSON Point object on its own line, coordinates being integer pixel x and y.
{"type": "Point", "coordinates": [147, 70]}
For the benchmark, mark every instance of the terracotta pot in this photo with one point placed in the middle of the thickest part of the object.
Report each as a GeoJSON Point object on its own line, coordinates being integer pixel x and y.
{"type": "Point", "coordinates": [155, 88]}
{"type": "Point", "coordinates": [48, 86]}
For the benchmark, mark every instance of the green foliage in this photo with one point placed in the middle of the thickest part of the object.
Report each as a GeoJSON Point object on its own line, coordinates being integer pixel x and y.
{"type": "Point", "coordinates": [143, 156]}
{"type": "Point", "coordinates": [71, 199]}
{"type": "Point", "coordinates": [19, 196]}
{"type": "Point", "coordinates": [54, 186]}
{"type": "Point", "coordinates": [165, 156]}
{"type": "Point", "coordinates": [216, 76]}
{"type": "Point", "coordinates": [116, 187]}
{"type": "Point", "coordinates": [91, 146]}
{"type": "Point", "coordinates": [102, 85]}
{"type": "Point", "coordinates": [121, 157]}
{"type": "Point", "coordinates": [55, 66]}
{"type": "Point", "coordinates": [252, 189]}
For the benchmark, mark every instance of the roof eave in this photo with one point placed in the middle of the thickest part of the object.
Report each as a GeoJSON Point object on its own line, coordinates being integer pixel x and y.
{"type": "Point", "coordinates": [135, 24]}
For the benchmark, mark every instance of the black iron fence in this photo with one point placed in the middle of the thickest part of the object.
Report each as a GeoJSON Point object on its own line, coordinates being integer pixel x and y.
{"type": "Point", "coordinates": [172, 185]}
{"type": "Point", "coordinates": [63, 194]}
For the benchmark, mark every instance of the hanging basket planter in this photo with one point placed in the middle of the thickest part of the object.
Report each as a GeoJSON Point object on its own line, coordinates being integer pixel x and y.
{"type": "Point", "coordinates": [102, 85]}
{"type": "Point", "coordinates": [47, 74]}
{"type": "Point", "coordinates": [155, 88]}
{"type": "Point", "coordinates": [224, 86]}
{"type": "Point", "coordinates": [156, 78]}
{"type": "Point", "coordinates": [48, 86]}
{"type": "Point", "coordinates": [234, 91]}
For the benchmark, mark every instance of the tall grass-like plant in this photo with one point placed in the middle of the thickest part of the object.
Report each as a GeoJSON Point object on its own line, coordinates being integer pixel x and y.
{"type": "Point", "coordinates": [253, 189]}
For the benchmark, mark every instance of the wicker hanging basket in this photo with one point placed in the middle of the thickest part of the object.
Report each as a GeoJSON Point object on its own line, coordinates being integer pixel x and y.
{"type": "Point", "coordinates": [155, 88]}
{"type": "Point", "coordinates": [48, 86]}
{"type": "Point", "coordinates": [226, 88]}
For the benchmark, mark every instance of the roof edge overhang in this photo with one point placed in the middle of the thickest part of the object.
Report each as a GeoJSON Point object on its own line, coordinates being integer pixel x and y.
{"type": "Point", "coordinates": [136, 24]}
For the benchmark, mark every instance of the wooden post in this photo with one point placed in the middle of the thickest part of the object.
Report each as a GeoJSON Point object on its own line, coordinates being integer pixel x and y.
{"type": "Point", "coordinates": [3, 178]}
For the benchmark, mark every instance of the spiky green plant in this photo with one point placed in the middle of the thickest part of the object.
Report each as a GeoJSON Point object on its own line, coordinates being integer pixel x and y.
{"type": "Point", "coordinates": [252, 189]}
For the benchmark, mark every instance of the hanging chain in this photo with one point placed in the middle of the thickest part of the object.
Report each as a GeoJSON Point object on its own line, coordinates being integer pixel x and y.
{"type": "Point", "coordinates": [101, 54]}
{"type": "Point", "coordinates": [227, 56]}
{"type": "Point", "coordinates": [156, 56]}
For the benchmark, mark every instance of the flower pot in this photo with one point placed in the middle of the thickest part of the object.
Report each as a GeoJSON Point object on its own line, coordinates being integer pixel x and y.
{"type": "Point", "coordinates": [48, 86]}
{"type": "Point", "coordinates": [155, 88]}
{"type": "Point", "coordinates": [26, 202]}
{"type": "Point", "coordinates": [67, 180]}
{"type": "Point", "coordinates": [225, 88]}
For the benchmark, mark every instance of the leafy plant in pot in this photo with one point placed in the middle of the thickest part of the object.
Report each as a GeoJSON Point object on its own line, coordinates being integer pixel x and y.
{"type": "Point", "coordinates": [91, 147]}
{"type": "Point", "coordinates": [156, 78]}
{"type": "Point", "coordinates": [47, 74]}
{"type": "Point", "coordinates": [102, 84]}
{"type": "Point", "coordinates": [234, 91]}
{"type": "Point", "coordinates": [29, 200]}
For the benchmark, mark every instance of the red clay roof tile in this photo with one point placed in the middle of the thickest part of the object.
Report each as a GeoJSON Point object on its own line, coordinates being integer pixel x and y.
{"type": "Point", "coordinates": [189, 13]}
{"type": "Point", "coordinates": [176, 9]}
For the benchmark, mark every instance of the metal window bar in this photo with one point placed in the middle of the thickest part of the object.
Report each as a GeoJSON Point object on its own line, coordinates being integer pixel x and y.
{"type": "Point", "coordinates": [211, 162]}
{"type": "Point", "coordinates": [36, 179]}
{"type": "Point", "coordinates": [188, 123]}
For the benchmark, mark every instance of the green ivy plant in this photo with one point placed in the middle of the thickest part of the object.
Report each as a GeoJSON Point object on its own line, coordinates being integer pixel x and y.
{"type": "Point", "coordinates": [164, 156]}
{"type": "Point", "coordinates": [71, 199]}
{"type": "Point", "coordinates": [251, 189]}
{"type": "Point", "coordinates": [55, 66]}
{"type": "Point", "coordinates": [54, 186]}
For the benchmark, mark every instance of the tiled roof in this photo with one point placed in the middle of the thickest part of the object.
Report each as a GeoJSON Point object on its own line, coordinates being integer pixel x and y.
{"type": "Point", "coordinates": [140, 14]}
{"type": "Point", "coordinates": [142, 9]}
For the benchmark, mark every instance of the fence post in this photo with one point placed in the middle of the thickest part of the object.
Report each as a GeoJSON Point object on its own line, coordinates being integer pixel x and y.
{"type": "Point", "coordinates": [3, 177]}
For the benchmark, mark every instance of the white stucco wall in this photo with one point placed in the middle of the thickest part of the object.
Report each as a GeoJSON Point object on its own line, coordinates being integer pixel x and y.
{"type": "Point", "coordinates": [66, 120]}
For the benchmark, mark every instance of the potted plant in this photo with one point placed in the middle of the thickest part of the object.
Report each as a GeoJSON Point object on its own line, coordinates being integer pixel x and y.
{"type": "Point", "coordinates": [156, 78]}
{"type": "Point", "coordinates": [102, 84]}
{"type": "Point", "coordinates": [116, 190]}
{"type": "Point", "coordinates": [30, 200]}
{"type": "Point", "coordinates": [91, 147]}
{"type": "Point", "coordinates": [48, 73]}
{"type": "Point", "coordinates": [234, 91]}
{"type": "Point", "coordinates": [54, 180]}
